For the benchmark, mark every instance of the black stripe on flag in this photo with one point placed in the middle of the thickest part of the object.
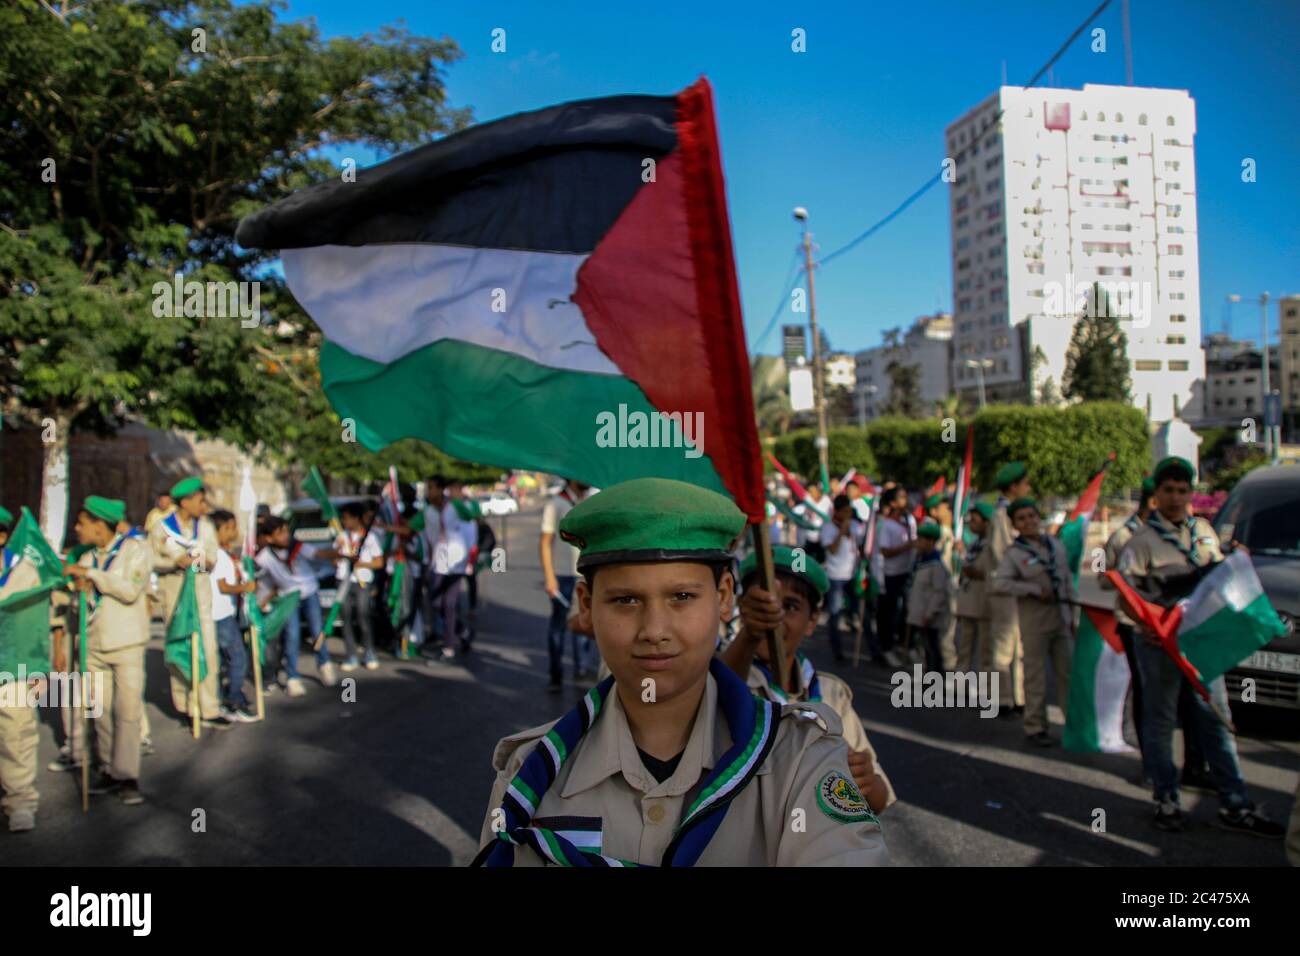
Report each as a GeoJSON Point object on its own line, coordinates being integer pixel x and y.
{"type": "Point", "coordinates": [553, 180]}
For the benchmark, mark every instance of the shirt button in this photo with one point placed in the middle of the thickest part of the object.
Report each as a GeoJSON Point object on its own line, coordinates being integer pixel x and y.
{"type": "Point", "coordinates": [655, 814]}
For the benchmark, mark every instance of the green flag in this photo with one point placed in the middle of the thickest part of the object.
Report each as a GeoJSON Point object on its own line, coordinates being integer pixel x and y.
{"type": "Point", "coordinates": [275, 618]}
{"type": "Point", "coordinates": [314, 485]}
{"type": "Point", "coordinates": [25, 630]}
{"type": "Point", "coordinates": [28, 542]}
{"type": "Point", "coordinates": [185, 623]}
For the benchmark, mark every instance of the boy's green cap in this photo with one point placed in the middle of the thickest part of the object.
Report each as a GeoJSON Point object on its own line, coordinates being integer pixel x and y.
{"type": "Point", "coordinates": [934, 499]}
{"type": "Point", "coordinates": [1009, 473]}
{"type": "Point", "coordinates": [1022, 503]}
{"type": "Point", "coordinates": [930, 530]}
{"type": "Point", "coordinates": [186, 487]}
{"type": "Point", "coordinates": [111, 510]}
{"type": "Point", "coordinates": [6, 515]}
{"type": "Point", "coordinates": [984, 509]}
{"type": "Point", "coordinates": [1180, 469]}
{"type": "Point", "coordinates": [1148, 486]}
{"type": "Point", "coordinates": [783, 559]}
{"type": "Point", "coordinates": [652, 519]}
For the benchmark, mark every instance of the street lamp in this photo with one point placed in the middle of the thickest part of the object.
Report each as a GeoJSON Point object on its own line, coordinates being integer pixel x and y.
{"type": "Point", "coordinates": [862, 403]}
{"type": "Point", "coordinates": [823, 455]}
{"type": "Point", "coordinates": [979, 365]}
{"type": "Point", "coordinates": [1272, 445]}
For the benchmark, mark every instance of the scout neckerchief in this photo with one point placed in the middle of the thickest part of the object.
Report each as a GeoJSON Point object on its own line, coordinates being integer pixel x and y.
{"type": "Point", "coordinates": [807, 673]}
{"type": "Point", "coordinates": [1133, 523]}
{"type": "Point", "coordinates": [1160, 525]}
{"type": "Point", "coordinates": [110, 555]}
{"type": "Point", "coordinates": [172, 525]}
{"type": "Point", "coordinates": [291, 555]}
{"type": "Point", "coordinates": [9, 558]}
{"type": "Point", "coordinates": [1049, 563]}
{"type": "Point", "coordinates": [752, 722]}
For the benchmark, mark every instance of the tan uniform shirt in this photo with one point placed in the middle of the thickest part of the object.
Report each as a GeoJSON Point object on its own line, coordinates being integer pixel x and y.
{"type": "Point", "coordinates": [838, 696]}
{"type": "Point", "coordinates": [1115, 545]}
{"type": "Point", "coordinates": [1148, 557]}
{"type": "Point", "coordinates": [972, 596]}
{"type": "Point", "coordinates": [166, 549]}
{"type": "Point", "coordinates": [23, 577]}
{"type": "Point", "coordinates": [1023, 574]}
{"type": "Point", "coordinates": [783, 817]}
{"type": "Point", "coordinates": [931, 596]}
{"type": "Point", "coordinates": [120, 617]}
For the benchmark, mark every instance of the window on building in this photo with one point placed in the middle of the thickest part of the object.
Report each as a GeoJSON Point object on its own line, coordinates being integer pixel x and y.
{"type": "Point", "coordinates": [1175, 250]}
{"type": "Point", "coordinates": [1142, 119]}
{"type": "Point", "coordinates": [1147, 365]}
{"type": "Point", "coordinates": [1177, 273]}
{"type": "Point", "coordinates": [1119, 117]}
{"type": "Point", "coordinates": [1176, 340]}
{"type": "Point", "coordinates": [1177, 317]}
{"type": "Point", "coordinates": [1177, 365]}
{"type": "Point", "coordinates": [1101, 117]}
{"type": "Point", "coordinates": [1169, 121]}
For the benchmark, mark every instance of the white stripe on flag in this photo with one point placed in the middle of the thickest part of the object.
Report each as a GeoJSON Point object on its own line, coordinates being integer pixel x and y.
{"type": "Point", "coordinates": [1232, 585]}
{"type": "Point", "coordinates": [385, 301]}
{"type": "Point", "coordinates": [1110, 686]}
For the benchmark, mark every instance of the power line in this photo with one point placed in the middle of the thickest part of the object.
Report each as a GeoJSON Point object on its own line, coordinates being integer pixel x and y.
{"type": "Point", "coordinates": [791, 280]}
{"type": "Point", "coordinates": [938, 177]}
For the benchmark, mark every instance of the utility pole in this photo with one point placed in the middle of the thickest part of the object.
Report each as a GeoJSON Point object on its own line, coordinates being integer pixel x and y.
{"type": "Point", "coordinates": [819, 399]}
{"type": "Point", "coordinates": [1270, 447]}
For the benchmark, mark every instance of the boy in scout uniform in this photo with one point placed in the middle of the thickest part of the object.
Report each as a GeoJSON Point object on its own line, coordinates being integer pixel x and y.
{"type": "Point", "coordinates": [801, 587]}
{"type": "Point", "coordinates": [1163, 561]}
{"type": "Point", "coordinates": [182, 538]}
{"type": "Point", "coordinates": [671, 760]}
{"type": "Point", "coordinates": [1007, 653]}
{"type": "Point", "coordinates": [929, 604]}
{"type": "Point", "coordinates": [1034, 572]}
{"type": "Point", "coordinates": [114, 573]}
{"type": "Point", "coordinates": [972, 595]}
{"type": "Point", "coordinates": [19, 733]}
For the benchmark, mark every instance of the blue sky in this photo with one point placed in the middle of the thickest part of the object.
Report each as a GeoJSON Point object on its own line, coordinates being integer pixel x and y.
{"type": "Point", "coordinates": [855, 124]}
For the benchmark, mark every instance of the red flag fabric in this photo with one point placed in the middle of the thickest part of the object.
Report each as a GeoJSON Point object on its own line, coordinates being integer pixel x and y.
{"type": "Point", "coordinates": [1163, 622]}
{"type": "Point", "coordinates": [1087, 503]}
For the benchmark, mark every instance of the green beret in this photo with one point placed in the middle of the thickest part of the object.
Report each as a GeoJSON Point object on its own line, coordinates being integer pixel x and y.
{"type": "Point", "coordinates": [935, 499]}
{"type": "Point", "coordinates": [930, 530]}
{"type": "Point", "coordinates": [186, 487]}
{"type": "Point", "coordinates": [1010, 473]}
{"type": "Point", "coordinates": [984, 509]}
{"type": "Point", "coordinates": [1022, 503]}
{"type": "Point", "coordinates": [1148, 486]}
{"type": "Point", "coordinates": [652, 519]}
{"type": "Point", "coordinates": [783, 559]}
{"type": "Point", "coordinates": [1180, 469]}
{"type": "Point", "coordinates": [6, 516]}
{"type": "Point", "coordinates": [106, 509]}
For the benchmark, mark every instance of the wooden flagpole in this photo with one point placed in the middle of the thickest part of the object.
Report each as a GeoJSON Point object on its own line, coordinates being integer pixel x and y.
{"type": "Point", "coordinates": [766, 577]}
{"type": "Point", "coordinates": [85, 706]}
{"type": "Point", "coordinates": [194, 681]}
{"type": "Point", "coordinates": [257, 668]}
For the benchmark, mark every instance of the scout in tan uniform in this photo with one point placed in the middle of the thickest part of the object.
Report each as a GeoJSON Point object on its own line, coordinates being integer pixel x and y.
{"type": "Point", "coordinates": [972, 595]}
{"type": "Point", "coordinates": [19, 733]}
{"type": "Point", "coordinates": [1005, 654]}
{"type": "Point", "coordinates": [939, 509]}
{"type": "Point", "coordinates": [672, 760]}
{"type": "Point", "coordinates": [1163, 561]}
{"type": "Point", "coordinates": [930, 602]}
{"type": "Point", "coordinates": [115, 575]}
{"type": "Point", "coordinates": [178, 540]}
{"type": "Point", "coordinates": [1034, 571]}
{"type": "Point", "coordinates": [1115, 545]}
{"type": "Point", "coordinates": [801, 587]}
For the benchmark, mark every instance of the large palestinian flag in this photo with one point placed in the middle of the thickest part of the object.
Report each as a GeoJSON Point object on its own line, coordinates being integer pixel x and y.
{"type": "Point", "coordinates": [554, 290]}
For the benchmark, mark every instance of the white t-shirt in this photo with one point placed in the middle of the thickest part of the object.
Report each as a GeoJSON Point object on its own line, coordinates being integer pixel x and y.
{"type": "Point", "coordinates": [890, 533]}
{"type": "Point", "coordinates": [839, 564]}
{"type": "Point", "coordinates": [287, 576]}
{"type": "Point", "coordinates": [454, 539]}
{"type": "Point", "coordinates": [348, 543]}
{"type": "Point", "coordinates": [223, 605]}
{"type": "Point", "coordinates": [824, 505]}
{"type": "Point", "coordinates": [861, 510]}
{"type": "Point", "coordinates": [566, 555]}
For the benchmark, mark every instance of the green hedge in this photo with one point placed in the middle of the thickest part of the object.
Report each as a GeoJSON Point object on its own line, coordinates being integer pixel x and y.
{"type": "Point", "coordinates": [1062, 446]}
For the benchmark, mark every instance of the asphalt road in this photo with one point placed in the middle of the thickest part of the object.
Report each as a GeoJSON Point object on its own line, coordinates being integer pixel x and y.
{"type": "Point", "coordinates": [402, 775]}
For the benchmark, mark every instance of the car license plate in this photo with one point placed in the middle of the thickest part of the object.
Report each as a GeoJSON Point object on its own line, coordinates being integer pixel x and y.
{"type": "Point", "coordinates": [1273, 661]}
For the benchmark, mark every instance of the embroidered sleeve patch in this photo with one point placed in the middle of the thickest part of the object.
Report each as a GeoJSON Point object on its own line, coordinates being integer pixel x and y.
{"type": "Point", "coordinates": [840, 799]}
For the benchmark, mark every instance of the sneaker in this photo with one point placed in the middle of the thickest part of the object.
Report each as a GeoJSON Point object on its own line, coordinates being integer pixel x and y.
{"type": "Point", "coordinates": [22, 820]}
{"type": "Point", "coordinates": [1198, 780]}
{"type": "Point", "coordinates": [1249, 820]}
{"type": "Point", "coordinates": [1041, 739]}
{"type": "Point", "coordinates": [219, 722]}
{"type": "Point", "coordinates": [242, 715]}
{"type": "Point", "coordinates": [104, 783]}
{"type": "Point", "coordinates": [63, 763]}
{"type": "Point", "coordinates": [448, 655]}
{"type": "Point", "coordinates": [294, 687]}
{"type": "Point", "coordinates": [1169, 817]}
{"type": "Point", "coordinates": [372, 664]}
{"type": "Point", "coordinates": [329, 674]}
{"type": "Point", "coordinates": [129, 793]}
{"type": "Point", "coordinates": [349, 665]}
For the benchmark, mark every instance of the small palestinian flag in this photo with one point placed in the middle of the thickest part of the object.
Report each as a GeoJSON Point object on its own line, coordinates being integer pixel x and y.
{"type": "Point", "coordinates": [553, 291]}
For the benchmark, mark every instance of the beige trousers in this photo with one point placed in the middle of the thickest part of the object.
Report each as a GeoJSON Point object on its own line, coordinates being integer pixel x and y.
{"type": "Point", "coordinates": [972, 639]}
{"type": "Point", "coordinates": [1038, 647]}
{"type": "Point", "coordinates": [19, 740]}
{"type": "Point", "coordinates": [1004, 654]}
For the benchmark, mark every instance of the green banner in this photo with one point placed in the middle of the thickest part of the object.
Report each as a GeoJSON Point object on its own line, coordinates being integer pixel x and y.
{"type": "Point", "coordinates": [185, 625]}
{"type": "Point", "coordinates": [25, 630]}
{"type": "Point", "coordinates": [314, 486]}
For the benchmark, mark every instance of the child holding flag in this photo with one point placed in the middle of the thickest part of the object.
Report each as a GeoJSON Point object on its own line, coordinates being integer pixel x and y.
{"type": "Point", "coordinates": [227, 585]}
{"type": "Point", "coordinates": [366, 555]}
{"type": "Point", "coordinates": [19, 727]}
{"type": "Point", "coordinates": [671, 760]}
{"type": "Point", "coordinates": [286, 568]}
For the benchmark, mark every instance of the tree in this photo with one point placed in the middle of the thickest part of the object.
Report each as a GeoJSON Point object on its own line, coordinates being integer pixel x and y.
{"type": "Point", "coordinates": [841, 408]}
{"type": "Point", "coordinates": [904, 390]}
{"type": "Point", "coordinates": [949, 407]}
{"type": "Point", "coordinates": [135, 137]}
{"type": "Point", "coordinates": [1096, 363]}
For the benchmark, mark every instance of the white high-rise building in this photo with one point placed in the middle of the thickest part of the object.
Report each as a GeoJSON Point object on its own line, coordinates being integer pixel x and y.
{"type": "Point", "coordinates": [1069, 189]}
